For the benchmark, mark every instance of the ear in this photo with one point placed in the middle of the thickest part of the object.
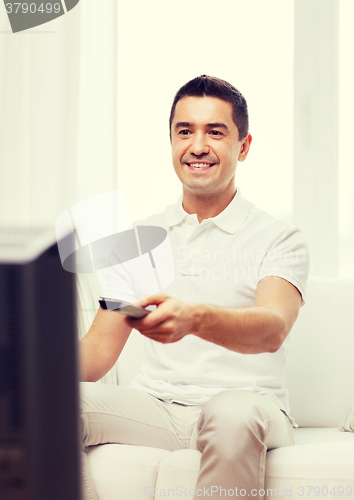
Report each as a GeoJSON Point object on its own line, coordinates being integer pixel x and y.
{"type": "Point", "coordinates": [245, 147]}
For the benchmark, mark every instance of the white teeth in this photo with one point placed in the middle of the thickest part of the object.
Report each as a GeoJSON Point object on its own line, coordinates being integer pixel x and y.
{"type": "Point", "coordinates": [200, 165]}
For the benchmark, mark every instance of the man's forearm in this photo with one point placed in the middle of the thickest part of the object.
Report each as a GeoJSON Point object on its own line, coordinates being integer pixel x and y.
{"type": "Point", "coordinates": [249, 330]}
{"type": "Point", "coordinates": [91, 366]}
{"type": "Point", "coordinates": [102, 345]}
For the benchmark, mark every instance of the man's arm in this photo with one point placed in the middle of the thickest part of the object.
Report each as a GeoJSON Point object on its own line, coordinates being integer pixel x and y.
{"type": "Point", "coordinates": [249, 330]}
{"type": "Point", "coordinates": [102, 344]}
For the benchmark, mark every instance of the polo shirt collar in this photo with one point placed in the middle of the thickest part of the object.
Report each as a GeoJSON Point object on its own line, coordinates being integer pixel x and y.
{"type": "Point", "coordinates": [229, 220]}
{"type": "Point", "coordinates": [177, 213]}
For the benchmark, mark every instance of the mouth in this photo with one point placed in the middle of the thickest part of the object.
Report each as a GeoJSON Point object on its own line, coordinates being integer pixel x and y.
{"type": "Point", "coordinates": [200, 165]}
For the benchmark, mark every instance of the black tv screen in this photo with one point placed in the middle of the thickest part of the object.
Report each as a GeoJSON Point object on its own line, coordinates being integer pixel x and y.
{"type": "Point", "coordinates": [39, 405]}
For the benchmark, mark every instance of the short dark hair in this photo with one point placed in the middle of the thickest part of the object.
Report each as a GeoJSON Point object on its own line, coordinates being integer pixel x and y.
{"type": "Point", "coordinates": [210, 86]}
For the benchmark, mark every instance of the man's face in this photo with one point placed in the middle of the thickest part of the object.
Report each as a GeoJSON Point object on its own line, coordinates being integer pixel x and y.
{"type": "Point", "coordinates": [205, 146]}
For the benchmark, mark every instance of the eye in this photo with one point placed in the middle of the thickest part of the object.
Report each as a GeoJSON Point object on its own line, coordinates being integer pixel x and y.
{"type": "Point", "coordinates": [184, 132]}
{"type": "Point", "coordinates": [215, 133]}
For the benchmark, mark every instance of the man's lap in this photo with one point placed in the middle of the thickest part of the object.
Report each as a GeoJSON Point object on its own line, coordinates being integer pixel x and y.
{"type": "Point", "coordinates": [118, 414]}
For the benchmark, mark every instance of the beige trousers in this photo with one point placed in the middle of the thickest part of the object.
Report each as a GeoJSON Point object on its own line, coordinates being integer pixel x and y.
{"type": "Point", "coordinates": [232, 431]}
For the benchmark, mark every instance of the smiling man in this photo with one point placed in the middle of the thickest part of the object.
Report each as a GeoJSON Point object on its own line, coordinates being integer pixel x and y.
{"type": "Point", "coordinates": [205, 150]}
{"type": "Point", "coordinates": [216, 346]}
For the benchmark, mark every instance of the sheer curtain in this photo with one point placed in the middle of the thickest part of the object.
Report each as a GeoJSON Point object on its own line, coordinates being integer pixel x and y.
{"type": "Point", "coordinates": [58, 123]}
{"type": "Point", "coordinates": [58, 113]}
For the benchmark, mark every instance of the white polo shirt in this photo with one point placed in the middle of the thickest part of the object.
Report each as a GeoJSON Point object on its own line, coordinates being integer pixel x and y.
{"type": "Point", "coordinates": [218, 262]}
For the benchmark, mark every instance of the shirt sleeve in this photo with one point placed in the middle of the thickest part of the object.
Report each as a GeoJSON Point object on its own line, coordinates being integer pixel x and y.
{"type": "Point", "coordinates": [119, 284]}
{"type": "Point", "coordinates": [132, 280]}
{"type": "Point", "coordinates": [288, 258]}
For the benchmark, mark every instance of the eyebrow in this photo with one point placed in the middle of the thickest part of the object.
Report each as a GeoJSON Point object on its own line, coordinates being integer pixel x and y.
{"type": "Point", "coordinates": [183, 124]}
{"type": "Point", "coordinates": [218, 125]}
{"type": "Point", "coordinates": [208, 125]}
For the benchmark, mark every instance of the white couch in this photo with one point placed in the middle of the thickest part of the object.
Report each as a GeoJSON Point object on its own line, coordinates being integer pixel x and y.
{"type": "Point", "coordinates": [320, 379]}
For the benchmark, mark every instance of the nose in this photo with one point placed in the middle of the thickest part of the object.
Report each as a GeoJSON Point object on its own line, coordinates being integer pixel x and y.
{"type": "Point", "coordinates": [199, 145]}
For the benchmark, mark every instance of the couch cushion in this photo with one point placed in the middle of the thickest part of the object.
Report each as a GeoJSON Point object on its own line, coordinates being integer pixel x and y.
{"type": "Point", "coordinates": [179, 471]}
{"type": "Point", "coordinates": [123, 471]}
{"type": "Point", "coordinates": [311, 435]}
{"type": "Point", "coordinates": [320, 464]}
{"type": "Point", "coordinates": [320, 457]}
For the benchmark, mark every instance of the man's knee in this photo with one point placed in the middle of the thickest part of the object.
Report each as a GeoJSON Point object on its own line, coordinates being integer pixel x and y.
{"type": "Point", "coordinates": [235, 406]}
{"type": "Point", "coordinates": [233, 416]}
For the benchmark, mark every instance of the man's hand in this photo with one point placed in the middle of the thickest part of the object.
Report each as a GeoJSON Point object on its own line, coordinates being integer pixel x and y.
{"type": "Point", "coordinates": [170, 322]}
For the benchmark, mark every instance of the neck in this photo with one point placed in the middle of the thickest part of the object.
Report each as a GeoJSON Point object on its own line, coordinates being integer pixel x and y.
{"type": "Point", "coordinates": [207, 205]}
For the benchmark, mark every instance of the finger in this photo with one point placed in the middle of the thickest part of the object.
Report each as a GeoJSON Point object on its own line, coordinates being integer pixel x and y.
{"type": "Point", "coordinates": [162, 329]}
{"type": "Point", "coordinates": [156, 299]}
{"type": "Point", "coordinates": [146, 323]}
{"type": "Point", "coordinates": [151, 320]}
{"type": "Point", "coordinates": [163, 339]}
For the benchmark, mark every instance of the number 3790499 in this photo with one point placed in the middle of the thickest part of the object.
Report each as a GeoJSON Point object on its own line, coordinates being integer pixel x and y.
{"type": "Point", "coordinates": [24, 8]}
{"type": "Point", "coordinates": [324, 491]}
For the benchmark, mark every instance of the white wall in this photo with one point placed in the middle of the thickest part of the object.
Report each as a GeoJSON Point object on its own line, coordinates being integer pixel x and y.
{"type": "Point", "coordinates": [345, 140]}
{"type": "Point", "coordinates": [163, 44]}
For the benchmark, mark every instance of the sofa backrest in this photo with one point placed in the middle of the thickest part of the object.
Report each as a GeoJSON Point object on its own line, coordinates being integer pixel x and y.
{"type": "Point", "coordinates": [320, 371]}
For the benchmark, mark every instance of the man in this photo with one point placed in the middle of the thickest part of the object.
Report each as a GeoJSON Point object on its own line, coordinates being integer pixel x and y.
{"type": "Point", "coordinates": [216, 345]}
